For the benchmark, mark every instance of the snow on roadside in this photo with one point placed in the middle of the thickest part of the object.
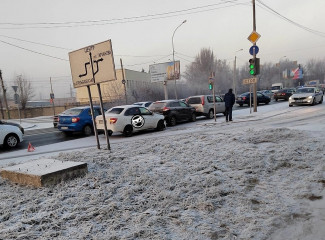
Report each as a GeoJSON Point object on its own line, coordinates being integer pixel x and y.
{"type": "Point", "coordinates": [207, 185]}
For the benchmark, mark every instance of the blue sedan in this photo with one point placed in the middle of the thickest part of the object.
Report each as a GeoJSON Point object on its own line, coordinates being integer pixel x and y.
{"type": "Point", "coordinates": [78, 119]}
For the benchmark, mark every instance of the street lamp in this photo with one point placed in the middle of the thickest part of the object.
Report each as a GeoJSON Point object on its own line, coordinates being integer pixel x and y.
{"type": "Point", "coordinates": [234, 77]}
{"type": "Point", "coordinates": [280, 68]}
{"type": "Point", "coordinates": [174, 56]}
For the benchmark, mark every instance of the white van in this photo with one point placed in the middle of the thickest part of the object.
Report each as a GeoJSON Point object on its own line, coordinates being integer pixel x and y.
{"type": "Point", "coordinates": [276, 87]}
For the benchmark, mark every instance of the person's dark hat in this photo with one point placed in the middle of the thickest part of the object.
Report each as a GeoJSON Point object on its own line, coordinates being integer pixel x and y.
{"type": "Point", "coordinates": [230, 90]}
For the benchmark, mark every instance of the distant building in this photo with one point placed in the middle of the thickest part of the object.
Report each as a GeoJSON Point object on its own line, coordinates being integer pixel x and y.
{"type": "Point", "coordinates": [138, 88]}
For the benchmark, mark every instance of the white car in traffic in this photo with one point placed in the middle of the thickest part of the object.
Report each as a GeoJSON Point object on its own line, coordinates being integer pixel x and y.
{"type": "Point", "coordinates": [128, 119]}
{"type": "Point", "coordinates": [10, 134]}
{"type": "Point", "coordinates": [306, 96]}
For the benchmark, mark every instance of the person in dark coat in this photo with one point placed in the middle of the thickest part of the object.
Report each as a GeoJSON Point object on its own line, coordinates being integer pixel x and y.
{"type": "Point", "coordinates": [229, 103]}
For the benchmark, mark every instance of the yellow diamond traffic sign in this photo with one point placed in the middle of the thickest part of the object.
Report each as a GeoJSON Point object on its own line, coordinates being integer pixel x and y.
{"type": "Point", "coordinates": [253, 37]}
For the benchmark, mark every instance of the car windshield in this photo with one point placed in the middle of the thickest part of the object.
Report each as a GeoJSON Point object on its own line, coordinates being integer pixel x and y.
{"type": "Point", "coordinates": [72, 111]}
{"type": "Point", "coordinates": [305, 90]}
{"type": "Point", "coordinates": [116, 110]}
{"type": "Point", "coordinates": [275, 87]}
{"type": "Point", "coordinates": [194, 100]}
{"type": "Point", "coordinates": [157, 105]}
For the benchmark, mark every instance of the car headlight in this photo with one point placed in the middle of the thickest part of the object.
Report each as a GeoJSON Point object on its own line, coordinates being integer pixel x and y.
{"type": "Point", "coordinates": [309, 97]}
{"type": "Point", "coordinates": [290, 98]}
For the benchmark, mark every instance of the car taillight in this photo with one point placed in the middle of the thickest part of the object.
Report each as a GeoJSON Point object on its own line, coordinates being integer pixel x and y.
{"type": "Point", "coordinates": [283, 94]}
{"type": "Point", "coordinates": [75, 119]}
{"type": "Point", "coordinates": [202, 100]}
{"type": "Point", "coordinates": [112, 120]}
{"type": "Point", "coordinates": [244, 98]}
{"type": "Point", "coordinates": [166, 109]}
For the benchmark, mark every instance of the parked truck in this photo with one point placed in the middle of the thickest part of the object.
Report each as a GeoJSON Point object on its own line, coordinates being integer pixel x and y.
{"type": "Point", "coordinates": [276, 87]}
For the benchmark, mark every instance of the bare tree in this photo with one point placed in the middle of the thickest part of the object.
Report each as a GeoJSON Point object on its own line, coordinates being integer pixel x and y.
{"type": "Point", "coordinates": [25, 90]}
{"type": "Point", "coordinates": [199, 70]}
{"type": "Point", "coordinates": [315, 70]}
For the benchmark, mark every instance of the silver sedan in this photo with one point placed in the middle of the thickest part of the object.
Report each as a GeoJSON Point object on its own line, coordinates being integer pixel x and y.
{"type": "Point", "coordinates": [306, 96]}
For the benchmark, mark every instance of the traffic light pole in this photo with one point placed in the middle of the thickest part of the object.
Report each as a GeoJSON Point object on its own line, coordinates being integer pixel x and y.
{"type": "Point", "coordinates": [254, 57]}
{"type": "Point", "coordinates": [211, 87]}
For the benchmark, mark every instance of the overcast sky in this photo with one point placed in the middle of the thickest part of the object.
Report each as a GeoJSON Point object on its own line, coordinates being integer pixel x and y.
{"type": "Point", "coordinates": [141, 33]}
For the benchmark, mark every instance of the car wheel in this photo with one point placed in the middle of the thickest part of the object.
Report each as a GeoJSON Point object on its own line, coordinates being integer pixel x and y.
{"type": "Point", "coordinates": [314, 102]}
{"type": "Point", "coordinates": [290, 105]}
{"type": "Point", "coordinates": [321, 100]}
{"type": "Point", "coordinates": [172, 121]}
{"type": "Point", "coordinates": [160, 125]}
{"type": "Point", "coordinates": [210, 115]}
{"type": "Point", "coordinates": [267, 102]}
{"type": "Point", "coordinates": [87, 131]}
{"type": "Point", "coordinates": [128, 131]}
{"type": "Point", "coordinates": [11, 141]}
{"type": "Point", "coordinates": [240, 105]}
{"type": "Point", "coordinates": [193, 117]}
{"type": "Point", "coordinates": [276, 99]}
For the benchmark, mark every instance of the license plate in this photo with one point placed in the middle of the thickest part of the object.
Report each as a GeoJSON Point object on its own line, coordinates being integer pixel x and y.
{"type": "Point", "coordinates": [239, 98]}
{"type": "Point", "coordinates": [100, 121]}
{"type": "Point", "coordinates": [299, 100]}
{"type": "Point", "coordinates": [64, 128]}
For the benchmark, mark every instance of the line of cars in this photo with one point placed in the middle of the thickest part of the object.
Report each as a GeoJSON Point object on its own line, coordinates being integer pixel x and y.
{"type": "Point", "coordinates": [128, 119]}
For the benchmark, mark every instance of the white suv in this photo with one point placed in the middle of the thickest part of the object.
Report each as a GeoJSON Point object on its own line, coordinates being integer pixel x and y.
{"type": "Point", "coordinates": [10, 134]}
{"type": "Point", "coordinates": [204, 105]}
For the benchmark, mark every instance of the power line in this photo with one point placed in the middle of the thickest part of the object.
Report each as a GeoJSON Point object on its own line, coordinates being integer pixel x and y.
{"type": "Point", "coordinates": [149, 61]}
{"type": "Point", "coordinates": [321, 34]}
{"type": "Point", "coordinates": [47, 45]}
{"type": "Point", "coordinates": [121, 20]}
{"type": "Point", "coordinates": [43, 54]}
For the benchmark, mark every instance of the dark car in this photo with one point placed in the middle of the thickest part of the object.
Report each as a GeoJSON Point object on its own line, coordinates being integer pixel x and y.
{"type": "Point", "coordinates": [174, 111]}
{"type": "Point", "coordinates": [78, 119]}
{"type": "Point", "coordinates": [244, 98]}
{"type": "Point", "coordinates": [284, 94]}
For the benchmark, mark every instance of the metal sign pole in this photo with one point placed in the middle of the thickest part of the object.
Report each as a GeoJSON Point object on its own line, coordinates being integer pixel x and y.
{"type": "Point", "coordinates": [93, 116]}
{"type": "Point", "coordinates": [104, 118]}
{"type": "Point", "coordinates": [254, 57]}
{"type": "Point", "coordinates": [214, 104]}
{"type": "Point", "coordinates": [250, 98]}
{"type": "Point", "coordinates": [101, 104]}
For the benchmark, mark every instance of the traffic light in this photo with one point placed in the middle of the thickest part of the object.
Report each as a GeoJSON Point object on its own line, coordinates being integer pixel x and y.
{"type": "Point", "coordinates": [254, 66]}
{"type": "Point", "coordinates": [252, 70]}
{"type": "Point", "coordinates": [210, 85]}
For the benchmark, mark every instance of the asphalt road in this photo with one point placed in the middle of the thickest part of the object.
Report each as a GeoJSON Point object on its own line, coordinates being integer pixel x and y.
{"type": "Point", "coordinates": [40, 137]}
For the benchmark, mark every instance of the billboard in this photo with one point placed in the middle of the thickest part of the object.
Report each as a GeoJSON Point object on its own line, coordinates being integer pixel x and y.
{"type": "Point", "coordinates": [164, 71]}
{"type": "Point", "coordinates": [97, 59]}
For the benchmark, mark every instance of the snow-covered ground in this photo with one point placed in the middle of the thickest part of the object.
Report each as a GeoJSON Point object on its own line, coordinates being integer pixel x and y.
{"type": "Point", "coordinates": [242, 180]}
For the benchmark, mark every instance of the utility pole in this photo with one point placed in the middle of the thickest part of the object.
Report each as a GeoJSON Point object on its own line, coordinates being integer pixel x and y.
{"type": "Point", "coordinates": [254, 57]}
{"type": "Point", "coordinates": [124, 82]}
{"type": "Point", "coordinates": [1, 108]}
{"type": "Point", "coordinates": [4, 95]}
{"type": "Point", "coordinates": [52, 97]}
